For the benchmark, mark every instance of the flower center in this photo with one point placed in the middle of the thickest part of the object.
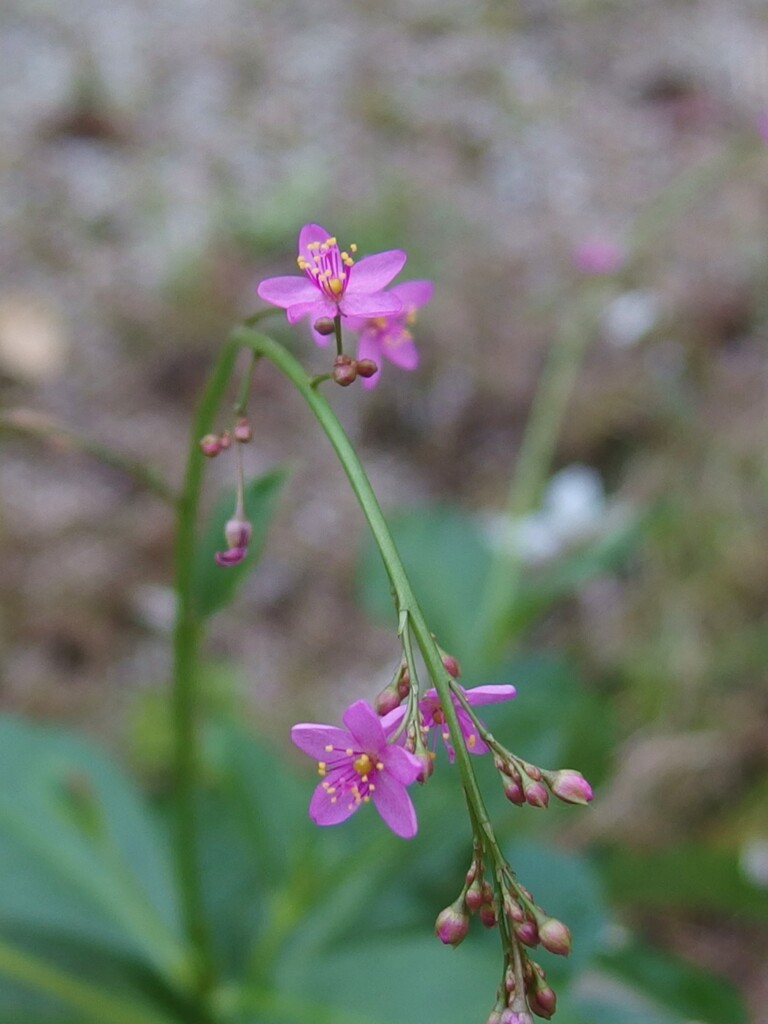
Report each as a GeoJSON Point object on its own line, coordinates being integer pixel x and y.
{"type": "Point", "coordinates": [327, 267]}
{"type": "Point", "coordinates": [362, 765]}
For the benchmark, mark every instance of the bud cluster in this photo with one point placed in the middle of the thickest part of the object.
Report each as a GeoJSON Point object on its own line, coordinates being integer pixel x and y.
{"type": "Point", "coordinates": [395, 692]}
{"type": "Point", "coordinates": [476, 897]}
{"type": "Point", "coordinates": [212, 444]}
{"type": "Point", "coordinates": [524, 783]}
{"type": "Point", "coordinates": [346, 370]}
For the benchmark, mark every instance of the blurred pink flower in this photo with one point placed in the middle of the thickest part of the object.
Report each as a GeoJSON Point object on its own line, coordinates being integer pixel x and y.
{"type": "Point", "coordinates": [388, 337]}
{"type": "Point", "coordinates": [358, 765]}
{"type": "Point", "coordinates": [598, 256]}
{"type": "Point", "coordinates": [433, 717]}
{"type": "Point", "coordinates": [333, 283]}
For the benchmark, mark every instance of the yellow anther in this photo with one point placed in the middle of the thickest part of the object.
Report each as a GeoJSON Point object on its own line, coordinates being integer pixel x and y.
{"type": "Point", "coordinates": [336, 285]}
{"type": "Point", "coordinates": [349, 751]}
{"type": "Point", "coordinates": [446, 735]}
{"type": "Point", "coordinates": [313, 245]}
{"type": "Point", "coordinates": [321, 768]}
{"type": "Point", "coordinates": [379, 321]}
{"type": "Point", "coordinates": [410, 316]}
{"type": "Point", "coordinates": [328, 747]}
{"type": "Point", "coordinates": [353, 247]}
{"type": "Point", "coordinates": [334, 799]}
{"type": "Point", "coordinates": [371, 788]}
{"type": "Point", "coordinates": [366, 799]}
{"type": "Point", "coordinates": [331, 241]}
{"type": "Point", "coordinates": [330, 789]}
{"type": "Point", "coordinates": [363, 778]}
{"type": "Point", "coordinates": [471, 740]}
{"type": "Point", "coordinates": [379, 766]}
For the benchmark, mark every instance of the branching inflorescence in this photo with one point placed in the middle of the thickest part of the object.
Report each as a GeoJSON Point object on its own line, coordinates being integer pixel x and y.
{"type": "Point", "coordinates": [387, 746]}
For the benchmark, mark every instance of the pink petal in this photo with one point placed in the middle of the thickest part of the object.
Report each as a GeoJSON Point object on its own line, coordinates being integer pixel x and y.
{"type": "Point", "coordinates": [372, 273]}
{"type": "Point", "coordinates": [369, 305]}
{"type": "Point", "coordinates": [324, 812]}
{"type": "Point", "coordinates": [314, 310]}
{"type": "Point", "coordinates": [403, 766]}
{"type": "Point", "coordinates": [489, 694]}
{"type": "Point", "coordinates": [311, 233]}
{"type": "Point", "coordinates": [413, 294]}
{"type": "Point", "coordinates": [365, 726]}
{"type": "Point", "coordinates": [392, 719]}
{"type": "Point", "coordinates": [287, 291]}
{"type": "Point", "coordinates": [399, 349]}
{"type": "Point", "coordinates": [313, 738]}
{"type": "Point", "coordinates": [394, 805]}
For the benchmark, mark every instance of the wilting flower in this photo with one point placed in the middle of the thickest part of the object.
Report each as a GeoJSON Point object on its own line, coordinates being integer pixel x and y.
{"type": "Point", "coordinates": [433, 716]}
{"type": "Point", "coordinates": [388, 337]}
{"type": "Point", "coordinates": [237, 533]}
{"type": "Point", "coordinates": [358, 766]}
{"type": "Point", "coordinates": [333, 282]}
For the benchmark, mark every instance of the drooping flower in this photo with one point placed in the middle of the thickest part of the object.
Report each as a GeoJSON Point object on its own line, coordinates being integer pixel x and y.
{"type": "Point", "coordinates": [433, 716]}
{"type": "Point", "coordinates": [388, 337]}
{"type": "Point", "coordinates": [358, 766]}
{"type": "Point", "coordinates": [237, 533]}
{"type": "Point", "coordinates": [333, 282]}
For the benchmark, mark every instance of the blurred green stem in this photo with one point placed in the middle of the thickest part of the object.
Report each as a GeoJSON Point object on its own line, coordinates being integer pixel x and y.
{"type": "Point", "coordinates": [409, 612]}
{"type": "Point", "coordinates": [533, 466]}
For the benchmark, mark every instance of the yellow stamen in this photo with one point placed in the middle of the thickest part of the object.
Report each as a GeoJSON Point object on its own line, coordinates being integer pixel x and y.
{"type": "Point", "coordinates": [471, 740]}
{"type": "Point", "coordinates": [328, 747]}
{"type": "Point", "coordinates": [380, 766]}
{"type": "Point", "coordinates": [349, 751]}
{"type": "Point", "coordinates": [353, 247]}
{"type": "Point", "coordinates": [336, 285]}
{"type": "Point", "coordinates": [366, 799]}
{"type": "Point", "coordinates": [362, 766]}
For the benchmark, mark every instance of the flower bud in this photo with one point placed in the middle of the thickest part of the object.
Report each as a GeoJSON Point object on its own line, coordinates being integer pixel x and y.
{"type": "Point", "coordinates": [242, 431]}
{"type": "Point", "coordinates": [571, 786]}
{"type": "Point", "coordinates": [344, 371]}
{"type": "Point", "coordinates": [474, 895]}
{"type": "Point", "coordinates": [513, 791]}
{"type": "Point", "coordinates": [237, 533]}
{"type": "Point", "coordinates": [555, 936]}
{"type": "Point", "coordinates": [210, 446]}
{"type": "Point", "coordinates": [543, 1001]}
{"type": "Point", "coordinates": [427, 759]}
{"type": "Point", "coordinates": [324, 325]}
{"type": "Point", "coordinates": [513, 910]}
{"type": "Point", "coordinates": [452, 924]}
{"type": "Point", "coordinates": [487, 914]}
{"type": "Point", "coordinates": [451, 665]}
{"type": "Point", "coordinates": [225, 440]}
{"type": "Point", "coordinates": [536, 794]}
{"type": "Point", "coordinates": [387, 700]}
{"type": "Point", "coordinates": [366, 367]}
{"type": "Point", "coordinates": [516, 1017]}
{"type": "Point", "coordinates": [527, 932]}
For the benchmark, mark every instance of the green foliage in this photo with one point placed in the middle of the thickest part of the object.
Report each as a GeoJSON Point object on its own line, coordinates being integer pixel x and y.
{"type": "Point", "coordinates": [214, 587]}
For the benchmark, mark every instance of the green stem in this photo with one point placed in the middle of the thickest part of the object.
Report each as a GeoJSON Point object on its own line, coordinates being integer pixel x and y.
{"type": "Point", "coordinates": [407, 605]}
{"type": "Point", "coordinates": [87, 999]}
{"type": "Point", "coordinates": [186, 659]}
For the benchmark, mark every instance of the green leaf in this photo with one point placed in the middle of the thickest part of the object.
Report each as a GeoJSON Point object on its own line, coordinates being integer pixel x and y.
{"type": "Point", "coordinates": [689, 992]}
{"type": "Point", "coordinates": [214, 586]}
{"type": "Point", "coordinates": [80, 856]}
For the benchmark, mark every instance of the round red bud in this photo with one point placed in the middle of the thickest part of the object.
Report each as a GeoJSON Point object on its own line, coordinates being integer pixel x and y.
{"type": "Point", "coordinates": [225, 439]}
{"type": "Point", "coordinates": [452, 924]}
{"type": "Point", "coordinates": [344, 371]}
{"type": "Point", "coordinates": [366, 367]}
{"type": "Point", "coordinates": [513, 791]}
{"type": "Point", "coordinates": [474, 895]}
{"type": "Point", "coordinates": [386, 701]}
{"type": "Point", "coordinates": [555, 936]}
{"type": "Point", "coordinates": [543, 1002]}
{"type": "Point", "coordinates": [324, 326]}
{"type": "Point", "coordinates": [210, 446]}
{"type": "Point", "coordinates": [528, 933]}
{"type": "Point", "coordinates": [487, 914]}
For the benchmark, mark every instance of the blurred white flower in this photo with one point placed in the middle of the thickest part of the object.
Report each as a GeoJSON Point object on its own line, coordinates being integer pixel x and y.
{"type": "Point", "coordinates": [629, 317]}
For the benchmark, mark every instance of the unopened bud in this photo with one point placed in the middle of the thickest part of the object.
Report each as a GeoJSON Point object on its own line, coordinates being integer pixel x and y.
{"type": "Point", "coordinates": [404, 683]}
{"type": "Point", "coordinates": [225, 439]}
{"type": "Point", "coordinates": [366, 367]}
{"type": "Point", "coordinates": [427, 759]}
{"type": "Point", "coordinates": [237, 533]}
{"type": "Point", "coordinates": [571, 786]}
{"type": "Point", "coordinates": [516, 1017]}
{"type": "Point", "coordinates": [513, 791]}
{"type": "Point", "coordinates": [386, 701]}
{"type": "Point", "coordinates": [555, 936]}
{"type": "Point", "coordinates": [536, 794]}
{"type": "Point", "coordinates": [344, 371]}
{"type": "Point", "coordinates": [452, 924]}
{"type": "Point", "coordinates": [474, 895]}
{"type": "Point", "coordinates": [513, 910]}
{"type": "Point", "coordinates": [451, 666]}
{"type": "Point", "coordinates": [210, 445]}
{"type": "Point", "coordinates": [528, 933]}
{"type": "Point", "coordinates": [243, 432]}
{"type": "Point", "coordinates": [510, 982]}
{"type": "Point", "coordinates": [487, 914]}
{"type": "Point", "coordinates": [324, 325]}
{"type": "Point", "coordinates": [543, 1001]}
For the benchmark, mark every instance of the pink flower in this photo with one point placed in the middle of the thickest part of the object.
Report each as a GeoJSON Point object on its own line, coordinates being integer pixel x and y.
{"type": "Point", "coordinates": [333, 283]}
{"type": "Point", "coordinates": [433, 717]}
{"type": "Point", "coordinates": [358, 765]}
{"type": "Point", "coordinates": [388, 337]}
{"type": "Point", "coordinates": [598, 256]}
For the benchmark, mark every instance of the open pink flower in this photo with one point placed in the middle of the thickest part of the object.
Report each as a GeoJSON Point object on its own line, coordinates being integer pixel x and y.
{"type": "Point", "coordinates": [358, 766]}
{"type": "Point", "coordinates": [388, 337]}
{"type": "Point", "coordinates": [433, 717]}
{"type": "Point", "coordinates": [333, 283]}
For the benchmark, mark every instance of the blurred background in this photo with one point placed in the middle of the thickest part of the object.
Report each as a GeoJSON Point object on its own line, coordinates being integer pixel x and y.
{"type": "Point", "coordinates": [586, 182]}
